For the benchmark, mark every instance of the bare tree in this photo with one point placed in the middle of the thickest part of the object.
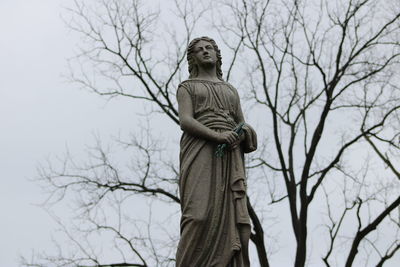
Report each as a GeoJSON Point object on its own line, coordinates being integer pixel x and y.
{"type": "Point", "coordinates": [322, 76]}
{"type": "Point", "coordinates": [312, 61]}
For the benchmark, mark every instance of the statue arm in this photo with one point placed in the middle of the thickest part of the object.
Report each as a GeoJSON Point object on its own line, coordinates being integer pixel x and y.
{"type": "Point", "coordinates": [249, 137]}
{"type": "Point", "coordinates": [188, 123]}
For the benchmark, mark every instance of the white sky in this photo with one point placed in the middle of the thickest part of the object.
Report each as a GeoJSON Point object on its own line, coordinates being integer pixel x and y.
{"type": "Point", "coordinates": [39, 115]}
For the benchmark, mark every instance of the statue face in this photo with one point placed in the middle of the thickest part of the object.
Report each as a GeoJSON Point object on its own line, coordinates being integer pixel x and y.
{"type": "Point", "coordinates": [204, 54]}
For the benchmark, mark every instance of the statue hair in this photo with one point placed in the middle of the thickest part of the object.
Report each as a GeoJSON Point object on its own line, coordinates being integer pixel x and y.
{"type": "Point", "coordinates": [193, 68]}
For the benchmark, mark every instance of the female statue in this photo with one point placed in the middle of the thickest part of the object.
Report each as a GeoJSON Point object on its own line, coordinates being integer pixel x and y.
{"type": "Point", "coordinates": [215, 224]}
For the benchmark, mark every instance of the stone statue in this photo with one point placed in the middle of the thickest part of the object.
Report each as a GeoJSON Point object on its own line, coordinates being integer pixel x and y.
{"type": "Point", "coordinates": [215, 224]}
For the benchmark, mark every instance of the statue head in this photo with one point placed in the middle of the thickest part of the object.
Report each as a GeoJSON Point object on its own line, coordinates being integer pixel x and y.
{"type": "Point", "coordinates": [193, 67]}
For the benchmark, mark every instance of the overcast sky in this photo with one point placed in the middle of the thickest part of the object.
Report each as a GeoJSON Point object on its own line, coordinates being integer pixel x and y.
{"type": "Point", "coordinates": [40, 114]}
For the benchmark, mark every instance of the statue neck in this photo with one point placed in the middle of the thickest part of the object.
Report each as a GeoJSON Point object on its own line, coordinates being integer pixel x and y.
{"type": "Point", "coordinates": [207, 73]}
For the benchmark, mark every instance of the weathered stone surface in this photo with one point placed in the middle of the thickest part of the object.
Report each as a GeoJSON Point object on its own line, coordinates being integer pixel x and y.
{"type": "Point", "coordinates": [215, 225]}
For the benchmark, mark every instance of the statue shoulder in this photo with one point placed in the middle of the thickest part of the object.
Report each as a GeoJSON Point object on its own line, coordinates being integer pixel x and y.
{"type": "Point", "coordinates": [185, 85]}
{"type": "Point", "coordinates": [184, 82]}
{"type": "Point", "coordinates": [233, 88]}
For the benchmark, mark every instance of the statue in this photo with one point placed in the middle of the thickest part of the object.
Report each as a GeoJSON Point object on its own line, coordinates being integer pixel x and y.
{"type": "Point", "coordinates": [215, 224]}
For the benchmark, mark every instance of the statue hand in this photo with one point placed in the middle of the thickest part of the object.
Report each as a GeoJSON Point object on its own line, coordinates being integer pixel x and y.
{"type": "Point", "coordinates": [228, 137]}
{"type": "Point", "coordinates": [237, 142]}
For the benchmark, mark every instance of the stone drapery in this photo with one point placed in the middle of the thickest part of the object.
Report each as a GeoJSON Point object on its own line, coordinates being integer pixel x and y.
{"type": "Point", "coordinates": [213, 189]}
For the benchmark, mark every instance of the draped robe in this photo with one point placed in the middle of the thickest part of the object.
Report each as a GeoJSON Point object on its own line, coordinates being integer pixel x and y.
{"type": "Point", "coordinates": [213, 189]}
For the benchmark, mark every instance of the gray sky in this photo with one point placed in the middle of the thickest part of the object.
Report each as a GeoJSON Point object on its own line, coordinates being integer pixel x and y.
{"type": "Point", "coordinates": [40, 114]}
